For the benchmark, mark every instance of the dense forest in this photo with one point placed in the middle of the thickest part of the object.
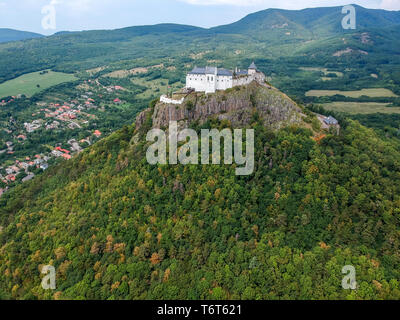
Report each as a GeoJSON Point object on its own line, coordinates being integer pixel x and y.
{"type": "Point", "coordinates": [116, 227]}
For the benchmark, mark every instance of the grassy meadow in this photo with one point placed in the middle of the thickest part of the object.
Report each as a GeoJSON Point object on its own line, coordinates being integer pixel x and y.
{"type": "Point", "coordinates": [361, 107]}
{"type": "Point", "coordinates": [372, 93]}
{"type": "Point", "coordinates": [155, 87]}
{"type": "Point", "coordinates": [31, 83]}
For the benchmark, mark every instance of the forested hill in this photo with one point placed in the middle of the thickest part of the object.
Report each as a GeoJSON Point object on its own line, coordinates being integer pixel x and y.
{"type": "Point", "coordinates": [312, 22]}
{"type": "Point", "coordinates": [116, 227]}
{"type": "Point", "coordinates": [7, 35]}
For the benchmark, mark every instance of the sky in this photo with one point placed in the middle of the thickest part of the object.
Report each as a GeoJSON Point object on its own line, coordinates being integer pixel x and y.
{"type": "Point", "coordinates": [50, 16]}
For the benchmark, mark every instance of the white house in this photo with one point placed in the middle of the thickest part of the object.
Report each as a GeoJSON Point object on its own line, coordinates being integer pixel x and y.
{"type": "Point", "coordinates": [211, 79]}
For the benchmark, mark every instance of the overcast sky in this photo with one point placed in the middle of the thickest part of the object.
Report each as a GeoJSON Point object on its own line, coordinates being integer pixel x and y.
{"type": "Point", "coordinates": [110, 14]}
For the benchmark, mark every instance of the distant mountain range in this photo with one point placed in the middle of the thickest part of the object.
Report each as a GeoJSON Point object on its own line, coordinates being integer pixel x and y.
{"type": "Point", "coordinates": [266, 34]}
{"type": "Point", "coordinates": [7, 35]}
{"type": "Point", "coordinates": [317, 22]}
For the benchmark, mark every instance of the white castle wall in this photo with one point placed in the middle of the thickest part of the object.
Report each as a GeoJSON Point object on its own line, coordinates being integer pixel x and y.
{"type": "Point", "coordinates": [241, 81]}
{"type": "Point", "coordinates": [197, 82]}
{"type": "Point", "coordinates": [165, 99]}
{"type": "Point", "coordinates": [209, 83]}
{"type": "Point", "coordinates": [224, 82]}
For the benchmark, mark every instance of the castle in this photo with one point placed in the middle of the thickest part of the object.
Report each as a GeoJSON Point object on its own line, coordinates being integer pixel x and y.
{"type": "Point", "coordinates": [211, 79]}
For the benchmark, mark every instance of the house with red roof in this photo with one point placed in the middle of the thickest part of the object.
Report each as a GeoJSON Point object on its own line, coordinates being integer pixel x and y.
{"type": "Point", "coordinates": [10, 177]}
{"type": "Point", "coordinates": [62, 150]}
{"type": "Point", "coordinates": [22, 137]}
{"type": "Point", "coordinates": [97, 133]}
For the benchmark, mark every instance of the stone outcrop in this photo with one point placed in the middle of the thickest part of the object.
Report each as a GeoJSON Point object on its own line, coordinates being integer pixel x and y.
{"type": "Point", "coordinates": [236, 105]}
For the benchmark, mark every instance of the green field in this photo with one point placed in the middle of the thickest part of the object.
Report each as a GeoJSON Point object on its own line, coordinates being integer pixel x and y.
{"type": "Point", "coordinates": [325, 71]}
{"type": "Point", "coordinates": [373, 93]}
{"type": "Point", "coordinates": [361, 107]}
{"type": "Point", "coordinates": [155, 87]}
{"type": "Point", "coordinates": [28, 83]}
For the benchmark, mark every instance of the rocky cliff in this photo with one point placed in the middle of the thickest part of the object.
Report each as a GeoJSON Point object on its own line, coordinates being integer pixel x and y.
{"type": "Point", "coordinates": [236, 105]}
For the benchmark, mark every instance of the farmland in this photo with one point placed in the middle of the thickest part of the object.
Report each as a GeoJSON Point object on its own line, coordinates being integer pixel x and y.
{"type": "Point", "coordinates": [323, 70]}
{"type": "Point", "coordinates": [361, 107]}
{"type": "Point", "coordinates": [372, 93]}
{"type": "Point", "coordinates": [155, 87]}
{"type": "Point", "coordinates": [31, 83]}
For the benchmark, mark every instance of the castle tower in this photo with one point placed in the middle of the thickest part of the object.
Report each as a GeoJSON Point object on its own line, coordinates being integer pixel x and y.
{"type": "Point", "coordinates": [252, 69]}
{"type": "Point", "coordinates": [211, 79]}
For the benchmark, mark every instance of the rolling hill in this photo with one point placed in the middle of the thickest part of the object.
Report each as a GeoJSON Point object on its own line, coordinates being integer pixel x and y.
{"type": "Point", "coordinates": [7, 35]}
{"type": "Point", "coordinates": [315, 22]}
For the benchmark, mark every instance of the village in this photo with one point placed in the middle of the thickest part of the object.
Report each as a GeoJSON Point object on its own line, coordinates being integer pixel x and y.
{"type": "Point", "coordinates": [76, 114]}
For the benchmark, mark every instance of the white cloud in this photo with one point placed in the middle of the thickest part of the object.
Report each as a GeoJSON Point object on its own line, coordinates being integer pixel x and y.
{"type": "Point", "coordinates": [241, 3]}
{"type": "Point", "coordinates": [295, 4]}
{"type": "Point", "coordinates": [390, 4]}
{"type": "Point", "coordinates": [253, 3]}
{"type": "Point", "coordinates": [80, 5]}
{"type": "Point", "coordinates": [95, 6]}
